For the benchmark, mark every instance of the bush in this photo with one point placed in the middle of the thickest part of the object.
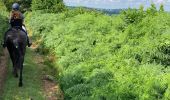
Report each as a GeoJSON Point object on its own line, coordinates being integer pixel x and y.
{"type": "Point", "coordinates": [24, 4]}
{"type": "Point", "coordinates": [133, 15]}
{"type": "Point", "coordinates": [97, 60]}
{"type": "Point", "coordinates": [51, 6]}
{"type": "Point", "coordinates": [3, 20]}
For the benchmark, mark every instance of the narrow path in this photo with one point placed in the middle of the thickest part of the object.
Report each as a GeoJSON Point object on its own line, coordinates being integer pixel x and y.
{"type": "Point", "coordinates": [35, 86]}
{"type": "Point", "coordinates": [3, 69]}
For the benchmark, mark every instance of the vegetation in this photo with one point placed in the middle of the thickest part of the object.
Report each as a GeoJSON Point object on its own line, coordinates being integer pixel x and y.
{"type": "Point", "coordinates": [32, 89]}
{"type": "Point", "coordinates": [101, 57]}
{"type": "Point", "coordinates": [52, 6]}
{"type": "Point", "coordinates": [3, 20]}
{"type": "Point", "coordinates": [25, 4]}
{"type": "Point", "coordinates": [107, 57]}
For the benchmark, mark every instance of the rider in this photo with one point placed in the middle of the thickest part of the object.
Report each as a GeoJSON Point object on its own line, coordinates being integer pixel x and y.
{"type": "Point", "coordinates": [16, 20]}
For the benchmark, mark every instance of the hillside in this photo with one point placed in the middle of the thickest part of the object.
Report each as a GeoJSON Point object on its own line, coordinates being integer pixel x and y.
{"type": "Point", "coordinates": [107, 57]}
{"type": "Point", "coordinates": [106, 11]}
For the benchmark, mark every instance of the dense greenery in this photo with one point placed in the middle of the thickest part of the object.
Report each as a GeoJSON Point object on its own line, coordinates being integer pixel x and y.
{"type": "Point", "coordinates": [3, 21]}
{"type": "Point", "coordinates": [100, 57]}
{"type": "Point", "coordinates": [25, 4]}
{"type": "Point", "coordinates": [51, 6]}
{"type": "Point", "coordinates": [45, 5]}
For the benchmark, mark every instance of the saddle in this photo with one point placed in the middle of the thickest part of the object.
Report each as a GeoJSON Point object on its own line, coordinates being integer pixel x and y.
{"type": "Point", "coordinates": [18, 28]}
{"type": "Point", "coordinates": [17, 25]}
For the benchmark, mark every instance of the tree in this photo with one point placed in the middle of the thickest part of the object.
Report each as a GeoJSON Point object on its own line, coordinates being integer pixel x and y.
{"type": "Point", "coordinates": [24, 4]}
{"type": "Point", "coordinates": [152, 10]}
{"type": "Point", "coordinates": [161, 9]}
{"type": "Point", "coordinates": [133, 15]}
{"type": "Point", "coordinates": [51, 6]}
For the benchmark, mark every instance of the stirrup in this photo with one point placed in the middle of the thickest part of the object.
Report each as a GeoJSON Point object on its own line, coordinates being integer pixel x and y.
{"type": "Point", "coordinates": [29, 44]}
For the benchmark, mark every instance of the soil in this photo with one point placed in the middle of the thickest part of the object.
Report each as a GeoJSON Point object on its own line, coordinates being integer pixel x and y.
{"type": "Point", "coordinates": [3, 69]}
{"type": "Point", "coordinates": [50, 86]}
{"type": "Point", "coordinates": [52, 90]}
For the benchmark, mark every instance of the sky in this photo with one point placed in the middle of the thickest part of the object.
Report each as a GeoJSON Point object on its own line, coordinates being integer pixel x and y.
{"type": "Point", "coordinates": [116, 4]}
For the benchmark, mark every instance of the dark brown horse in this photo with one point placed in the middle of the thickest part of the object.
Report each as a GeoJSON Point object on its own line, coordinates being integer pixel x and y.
{"type": "Point", "coordinates": [16, 41]}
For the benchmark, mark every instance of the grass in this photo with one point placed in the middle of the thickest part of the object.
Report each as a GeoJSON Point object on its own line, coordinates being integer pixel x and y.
{"type": "Point", "coordinates": [33, 87]}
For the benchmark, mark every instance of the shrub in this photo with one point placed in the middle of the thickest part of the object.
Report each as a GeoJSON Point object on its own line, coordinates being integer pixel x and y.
{"type": "Point", "coordinates": [97, 60]}
{"type": "Point", "coordinates": [51, 6]}
{"type": "Point", "coordinates": [133, 15]}
{"type": "Point", "coordinates": [3, 20]}
{"type": "Point", "coordinates": [24, 4]}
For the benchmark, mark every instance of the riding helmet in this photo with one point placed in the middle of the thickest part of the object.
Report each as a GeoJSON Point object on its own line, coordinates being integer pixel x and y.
{"type": "Point", "coordinates": [15, 6]}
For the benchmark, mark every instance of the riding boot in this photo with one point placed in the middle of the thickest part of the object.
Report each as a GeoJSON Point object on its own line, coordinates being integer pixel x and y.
{"type": "Point", "coordinates": [29, 43]}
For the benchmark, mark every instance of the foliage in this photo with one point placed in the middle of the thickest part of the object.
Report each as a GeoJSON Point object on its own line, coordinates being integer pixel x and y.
{"type": "Point", "coordinates": [48, 5]}
{"type": "Point", "coordinates": [25, 4]}
{"type": "Point", "coordinates": [152, 10]}
{"type": "Point", "coordinates": [45, 5]}
{"type": "Point", "coordinates": [3, 21]}
{"type": "Point", "coordinates": [100, 57]}
{"type": "Point", "coordinates": [133, 15]}
{"type": "Point", "coordinates": [161, 8]}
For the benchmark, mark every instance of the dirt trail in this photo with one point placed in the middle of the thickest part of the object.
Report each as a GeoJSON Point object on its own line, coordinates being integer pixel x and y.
{"type": "Point", "coordinates": [3, 69]}
{"type": "Point", "coordinates": [51, 88]}
{"type": "Point", "coordinates": [37, 84]}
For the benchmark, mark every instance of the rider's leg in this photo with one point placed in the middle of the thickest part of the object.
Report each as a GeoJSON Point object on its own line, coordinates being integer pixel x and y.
{"type": "Point", "coordinates": [28, 40]}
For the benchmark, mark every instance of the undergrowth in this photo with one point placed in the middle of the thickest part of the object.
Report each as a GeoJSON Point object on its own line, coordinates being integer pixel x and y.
{"type": "Point", "coordinates": [124, 57]}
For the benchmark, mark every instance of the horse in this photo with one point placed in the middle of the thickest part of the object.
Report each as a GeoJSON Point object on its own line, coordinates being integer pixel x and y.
{"type": "Point", "coordinates": [16, 42]}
